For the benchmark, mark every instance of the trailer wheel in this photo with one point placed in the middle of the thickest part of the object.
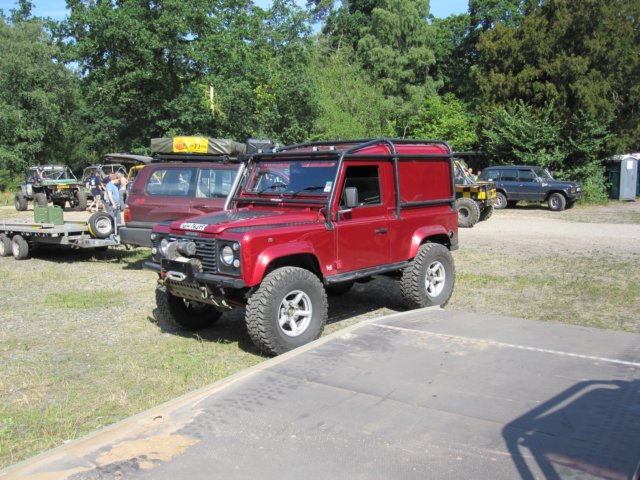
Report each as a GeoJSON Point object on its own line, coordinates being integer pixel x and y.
{"type": "Point", "coordinates": [5, 246]}
{"type": "Point", "coordinates": [100, 225]}
{"type": "Point", "coordinates": [20, 247]}
{"type": "Point", "coordinates": [21, 202]}
{"type": "Point", "coordinates": [40, 199]}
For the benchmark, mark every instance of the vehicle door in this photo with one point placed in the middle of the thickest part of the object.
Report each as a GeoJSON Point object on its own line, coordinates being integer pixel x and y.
{"type": "Point", "coordinates": [529, 186]}
{"type": "Point", "coordinates": [362, 231]}
{"type": "Point", "coordinates": [509, 182]}
{"type": "Point", "coordinates": [212, 187]}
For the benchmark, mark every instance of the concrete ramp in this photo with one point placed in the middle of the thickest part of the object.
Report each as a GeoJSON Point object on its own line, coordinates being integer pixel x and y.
{"type": "Point", "coordinates": [426, 394]}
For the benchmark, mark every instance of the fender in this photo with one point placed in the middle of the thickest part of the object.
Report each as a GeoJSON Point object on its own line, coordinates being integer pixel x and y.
{"type": "Point", "coordinates": [268, 255]}
{"type": "Point", "coordinates": [426, 232]}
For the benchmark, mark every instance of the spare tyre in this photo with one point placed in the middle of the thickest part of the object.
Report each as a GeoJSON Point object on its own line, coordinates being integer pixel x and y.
{"type": "Point", "coordinates": [100, 225]}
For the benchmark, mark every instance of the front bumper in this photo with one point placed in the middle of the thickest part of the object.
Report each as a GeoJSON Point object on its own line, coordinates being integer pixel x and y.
{"type": "Point", "coordinates": [197, 277]}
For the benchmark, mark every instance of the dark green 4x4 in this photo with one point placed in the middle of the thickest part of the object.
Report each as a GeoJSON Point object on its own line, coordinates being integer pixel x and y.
{"type": "Point", "coordinates": [51, 184]}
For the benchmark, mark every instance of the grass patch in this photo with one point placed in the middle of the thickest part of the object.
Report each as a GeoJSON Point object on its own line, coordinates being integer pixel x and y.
{"type": "Point", "coordinates": [85, 299]}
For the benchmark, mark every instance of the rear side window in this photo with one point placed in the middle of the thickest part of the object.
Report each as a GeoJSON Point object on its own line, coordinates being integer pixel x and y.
{"type": "Point", "coordinates": [526, 176]}
{"type": "Point", "coordinates": [214, 182]}
{"type": "Point", "coordinates": [509, 175]}
{"type": "Point", "coordinates": [171, 182]}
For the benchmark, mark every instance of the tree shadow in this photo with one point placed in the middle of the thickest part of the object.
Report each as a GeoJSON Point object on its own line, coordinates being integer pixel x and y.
{"type": "Point", "coordinates": [65, 254]}
{"type": "Point", "coordinates": [589, 430]}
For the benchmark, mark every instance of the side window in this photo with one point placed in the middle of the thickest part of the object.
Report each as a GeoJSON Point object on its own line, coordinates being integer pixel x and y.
{"type": "Point", "coordinates": [173, 182]}
{"type": "Point", "coordinates": [509, 175]}
{"type": "Point", "coordinates": [366, 180]}
{"type": "Point", "coordinates": [214, 183]}
{"type": "Point", "coordinates": [526, 176]}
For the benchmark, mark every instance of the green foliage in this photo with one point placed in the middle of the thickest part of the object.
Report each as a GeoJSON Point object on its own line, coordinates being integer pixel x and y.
{"type": "Point", "coordinates": [518, 134]}
{"type": "Point", "coordinates": [578, 56]}
{"type": "Point", "coordinates": [350, 105]}
{"type": "Point", "coordinates": [38, 98]}
{"type": "Point", "coordinates": [447, 118]}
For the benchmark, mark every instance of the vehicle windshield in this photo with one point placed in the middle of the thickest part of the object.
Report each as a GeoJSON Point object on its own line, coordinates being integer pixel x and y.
{"type": "Point", "coordinates": [543, 173]}
{"type": "Point", "coordinates": [292, 177]}
{"type": "Point", "coordinates": [462, 173]}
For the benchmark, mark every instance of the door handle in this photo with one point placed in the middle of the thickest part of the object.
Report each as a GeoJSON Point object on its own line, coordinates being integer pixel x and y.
{"type": "Point", "coordinates": [381, 231]}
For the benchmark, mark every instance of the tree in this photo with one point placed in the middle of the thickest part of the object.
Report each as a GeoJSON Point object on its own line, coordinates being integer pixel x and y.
{"type": "Point", "coordinates": [447, 118]}
{"type": "Point", "coordinates": [518, 134]}
{"type": "Point", "coordinates": [38, 98]}
{"type": "Point", "coordinates": [350, 105]}
{"type": "Point", "coordinates": [578, 56]}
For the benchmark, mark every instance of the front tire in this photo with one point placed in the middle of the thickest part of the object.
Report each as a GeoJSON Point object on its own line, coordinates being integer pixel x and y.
{"type": "Point", "coordinates": [184, 313]}
{"type": "Point", "coordinates": [429, 278]}
{"type": "Point", "coordinates": [501, 201]}
{"type": "Point", "coordinates": [468, 212]}
{"type": "Point", "coordinates": [557, 202]}
{"type": "Point", "coordinates": [287, 311]}
{"type": "Point", "coordinates": [20, 247]}
{"type": "Point", "coordinates": [78, 201]}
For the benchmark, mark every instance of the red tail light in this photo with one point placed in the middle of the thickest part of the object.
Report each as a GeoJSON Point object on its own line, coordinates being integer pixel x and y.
{"type": "Point", "coordinates": [127, 215]}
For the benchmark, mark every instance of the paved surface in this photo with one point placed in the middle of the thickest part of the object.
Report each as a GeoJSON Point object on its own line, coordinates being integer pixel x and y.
{"type": "Point", "coordinates": [423, 394]}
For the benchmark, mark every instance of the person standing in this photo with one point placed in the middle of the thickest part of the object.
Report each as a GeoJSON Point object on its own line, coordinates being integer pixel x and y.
{"type": "Point", "coordinates": [112, 198]}
{"type": "Point", "coordinates": [95, 184]}
{"type": "Point", "coordinates": [123, 190]}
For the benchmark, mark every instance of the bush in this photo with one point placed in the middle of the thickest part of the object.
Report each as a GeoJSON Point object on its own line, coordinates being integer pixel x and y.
{"type": "Point", "coordinates": [592, 177]}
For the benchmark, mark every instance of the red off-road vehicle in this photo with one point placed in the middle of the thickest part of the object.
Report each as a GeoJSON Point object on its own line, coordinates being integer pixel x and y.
{"type": "Point", "coordinates": [309, 219]}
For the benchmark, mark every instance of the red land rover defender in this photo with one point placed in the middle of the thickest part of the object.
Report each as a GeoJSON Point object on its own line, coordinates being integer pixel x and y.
{"type": "Point", "coordinates": [309, 219]}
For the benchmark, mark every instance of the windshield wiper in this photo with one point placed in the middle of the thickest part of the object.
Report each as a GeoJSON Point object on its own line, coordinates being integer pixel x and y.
{"type": "Point", "coordinates": [308, 189]}
{"type": "Point", "coordinates": [273, 187]}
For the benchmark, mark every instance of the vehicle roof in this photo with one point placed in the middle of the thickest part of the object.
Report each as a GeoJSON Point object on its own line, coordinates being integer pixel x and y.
{"type": "Point", "coordinates": [100, 165]}
{"type": "Point", "coordinates": [512, 166]}
{"type": "Point", "coordinates": [155, 165]}
{"type": "Point", "coordinates": [127, 158]}
{"type": "Point", "coordinates": [48, 167]}
{"type": "Point", "coordinates": [373, 146]}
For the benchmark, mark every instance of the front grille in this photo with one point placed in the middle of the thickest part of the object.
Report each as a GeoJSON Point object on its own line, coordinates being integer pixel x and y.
{"type": "Point", "coordinates": [205, 251]}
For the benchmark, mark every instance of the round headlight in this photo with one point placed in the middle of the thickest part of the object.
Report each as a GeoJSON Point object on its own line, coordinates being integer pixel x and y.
{"type": "Point", "coordinates": [226, 255]}
{"type": "Point", "coordinates": [153, 235]}
{"type": "Point", "coordinates": [164, 244]}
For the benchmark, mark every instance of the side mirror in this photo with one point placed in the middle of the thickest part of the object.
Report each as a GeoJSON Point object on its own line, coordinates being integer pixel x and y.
{"type": "Point", "coordinates": [350, 197]}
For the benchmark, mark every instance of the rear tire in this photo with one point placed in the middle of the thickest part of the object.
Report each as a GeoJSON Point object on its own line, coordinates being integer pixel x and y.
{"type": "Point", "coordinates": [40, 199]}
{"type": "Point", "coordinates": [468, 212]}
{"type": "Point", "coordinates": [5, 246]}
{"type": "Point", "coordinates": [100, 225]}
{"type": "Point", "coordinates": [21, 202]}
{"type": "Point", "coordinates": [501, 201]}
{"type": "Point", "coordinates": [430, 277]}
{"type": "Point", "coordinates": [557, 202]}
{"type": "Point", "coordinates": [287, 311]}
{"type": "Point", "coordinates": [486, 213]}
{"type": "Point", "coordinates": [184, 313]}
{"type": "Point", "coordinates": [20, 247]}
